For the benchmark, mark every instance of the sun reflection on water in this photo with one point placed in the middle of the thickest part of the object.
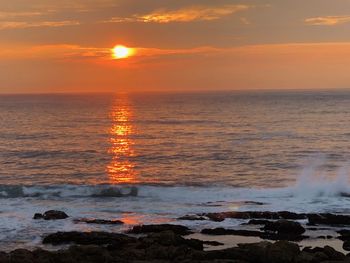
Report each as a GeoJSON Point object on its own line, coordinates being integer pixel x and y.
{"type": "Point", "coordinates": [121, 168]}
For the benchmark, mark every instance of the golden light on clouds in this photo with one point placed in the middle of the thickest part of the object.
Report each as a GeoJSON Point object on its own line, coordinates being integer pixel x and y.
{"type": "Point", "coordinates": [120, 51]}
{"type": "Point", "coordinates": [192, 14]}
{"type": "Point", "coordinates": [186, 14]}
{"type": "Point", "coordinates": [328, 20]}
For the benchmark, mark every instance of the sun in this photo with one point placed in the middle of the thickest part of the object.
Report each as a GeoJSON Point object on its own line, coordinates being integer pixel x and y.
{"type": "Point", "coordinates": [120, 52]}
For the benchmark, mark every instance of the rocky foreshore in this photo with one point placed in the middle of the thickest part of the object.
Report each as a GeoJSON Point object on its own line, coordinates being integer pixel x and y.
{"type": "Point", "coordinates": [173, 243]}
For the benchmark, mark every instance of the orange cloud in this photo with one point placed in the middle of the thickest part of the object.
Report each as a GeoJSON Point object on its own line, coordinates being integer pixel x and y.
{"type": "Point", "coordinates": [21, 25]}
{"type": "Point", "coordinates": [189, 14]}
{"type": "Point", "coordinates": [10, 15]}
{"type": "Point", "coordinates": [327, 20]}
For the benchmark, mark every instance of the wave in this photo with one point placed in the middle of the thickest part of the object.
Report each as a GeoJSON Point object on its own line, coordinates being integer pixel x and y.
{"type": "Point", "coordinates": [16, 191]}
{"type": "Point", "coordinates": [309, 188]}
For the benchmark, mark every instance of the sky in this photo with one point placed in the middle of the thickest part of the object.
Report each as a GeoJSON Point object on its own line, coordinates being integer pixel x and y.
{"type": "Point", "coordinates": [179, 45]}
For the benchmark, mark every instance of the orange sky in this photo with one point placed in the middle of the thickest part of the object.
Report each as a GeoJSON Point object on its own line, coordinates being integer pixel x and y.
{"type": "Point", "coordinates": [65, 46]}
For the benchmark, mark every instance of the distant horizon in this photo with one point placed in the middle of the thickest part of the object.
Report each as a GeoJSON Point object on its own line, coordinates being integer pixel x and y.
{"type": "Point", "coordinates": [196, 91]}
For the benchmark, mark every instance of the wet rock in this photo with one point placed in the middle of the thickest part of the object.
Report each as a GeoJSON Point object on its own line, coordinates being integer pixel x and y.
{"type": "Point", "coordinates": [144, 229]}
{"type": "Point", "coordinates": [290, 236]}
{"type": "Point", "coordinates": [21, 256]}
{"type": "Point", "coordinates": [218, 217]}
{"type": "Point", "coordinates": [223, 231]}
{"type": "Point", "coordinates": [258, 222]}
{"type": "Point", "coordinates": [51, 215]}
{"type": "Point", "coordinates": [169, 238]}
{"type": "Point", "coordinates": [346, 245]}
{"type": "Point", "coordinates": [99, 221]}
{"type": "Point", "coordinates": [320, 257]}
{"type": "Point", "coordinates": [87, 238]}
{"type": "Point", "coordinates": [213, 243]}
{"type": "Point", "coordinates": [284, 227]}
{"type": "Point", "coordinates": [333, 254]}
{"type": "Point", "coordinates": [4, 257]}
{"type": "Point", "coordinates": [282, 252]}
{"type": "Point", "coordinates": [344, 234]}
{"type": "Point", "coordinates": [192, 218]}
{"type": "Point", "coordinates": [304, 257]}
{"type": "Point", "coordinates": [257, 252]}
{"type": "Point", "coordinates": [328, 219]}
{"type": "Point", "coordinates": [38, 216]}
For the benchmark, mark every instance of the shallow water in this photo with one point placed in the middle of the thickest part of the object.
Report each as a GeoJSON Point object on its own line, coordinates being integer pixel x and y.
{"type": "Point", "coordinates": [185, 153]}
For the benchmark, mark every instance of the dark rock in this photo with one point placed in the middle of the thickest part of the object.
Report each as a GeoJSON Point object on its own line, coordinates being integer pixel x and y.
{"type": "Point", "coordinates": [21, 256]}
{"type": "Point", "coordinates": [51, 215]}
{"type": "Point", "coordinates": [212, 243]}
{"type": "Point", "coordinates": [346, 245]}
{"type": "Point", "coordinates": [344, 234]}
{"type": "Point", "coordinates": [313, 250]}
{"type": "Point", "coordinates": [333, 254]}
{"type": "Point", "coordinates": [282, 252]}
{"type": "Point", "coordinates": [234, 253]}
{"type": "Point", "coordinates": [290, 236]}
{"type": "Point", "coordinates": [258, 222]}
{"type": "Point", "coordinates": [99, 221]}
{"type": "Point", "coordinates": [284, 227]}
{"type": "Point", "coordinates": [144, 229]}
{"type": "Point", "coordinates": [87, 238]}
{"type": "Point", "coordinates": [304, 257]}
{"type": "Point", "coordinates": [223, 231]}
{"type": "Point", "coordinates": [192, 218]}
{"type": "Point", "coordinates": [256, 252]}
{"type": "Point", "coordinates": [218, 217]}
{"type": "Point", "coordinates": [328, 219]}
{"type": "Point", "coordinates": [169, 238]}
{"type": "Point", "coordinates": [320, 257]}
{"type": "Point", "coordinates": [38, 216]}
{"type": "Point", "coordinates": [4, 258]}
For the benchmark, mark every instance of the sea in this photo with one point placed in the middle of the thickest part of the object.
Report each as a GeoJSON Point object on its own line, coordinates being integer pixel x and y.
{"type": "Point", "coordinates": [147, 158]}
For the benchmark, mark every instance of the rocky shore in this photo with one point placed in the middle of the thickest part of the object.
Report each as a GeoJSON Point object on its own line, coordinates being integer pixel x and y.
{"type": "Point", "coordinates": [175, 242]}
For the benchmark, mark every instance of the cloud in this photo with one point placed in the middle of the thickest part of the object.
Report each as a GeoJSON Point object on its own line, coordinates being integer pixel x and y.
{"type": "Point", "coordinates": [21, 25]}
{"type": "Point", "coordinates": [188, 14]}
{"type": "Point", "coordinates": [11, 15]}
{"type": "Point", "coordinates": [328, 20]}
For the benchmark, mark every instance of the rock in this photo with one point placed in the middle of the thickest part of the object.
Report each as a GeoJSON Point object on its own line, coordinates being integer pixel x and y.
{"type": "Point", "coordinates": [213, 243]}
{"type": "Point", "coordinates": [21, 256]}
{"type": "Point", "coordinates": [258, 222]}
{"type": "Point", "coordinates": [346, 245]}
{"type": "Point", "coordinates": [333, 254]}
{"type": "Point", "coordinates": [282, 252]}
{"type": "Point", "coordinates": [291, 236]}
{"type": "Point", "coordinates": [144, 229]}
{"type": "Point", "coordinates": [192, 218]}
{"type": "Point", "coordinates": [218, 217]}
{"type": "Point", "coordinates": [344, 234]}
{"type": "Point", "coordinates": [223, 231]}
{"type": "Point", "coordinates": [38, 216]}
{"type": "Point", "coordinates": [304, 257]}
{"type": "Point", "coordinates": [87, 238]}
{"type": "Point", "coordinates": [284, 227]}
{"type": "Point", "coordinates": [51, 215]}
{"type": "Point", "coordinates": [169, 238]}
{"type": "Point", "coordinates": [99, 221]}
{"type": "Point", "coordinates": [257, 252]}
{"type": "Point", "coordinates": [328, 219]}
{"type": "Point", "coordinates": [320, 257]}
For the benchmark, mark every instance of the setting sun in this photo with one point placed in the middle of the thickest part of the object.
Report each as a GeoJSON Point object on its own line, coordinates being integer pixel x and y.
{"type": "Point", "coordinates": [120, 52]}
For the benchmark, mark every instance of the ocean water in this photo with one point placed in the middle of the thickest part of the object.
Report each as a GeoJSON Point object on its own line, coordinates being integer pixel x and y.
{"type": "Point", "coordinates": [183, 153]}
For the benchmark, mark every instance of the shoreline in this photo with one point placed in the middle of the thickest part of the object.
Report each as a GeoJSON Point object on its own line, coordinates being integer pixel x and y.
{"type": "Point", "coordinates": [278, 237]}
